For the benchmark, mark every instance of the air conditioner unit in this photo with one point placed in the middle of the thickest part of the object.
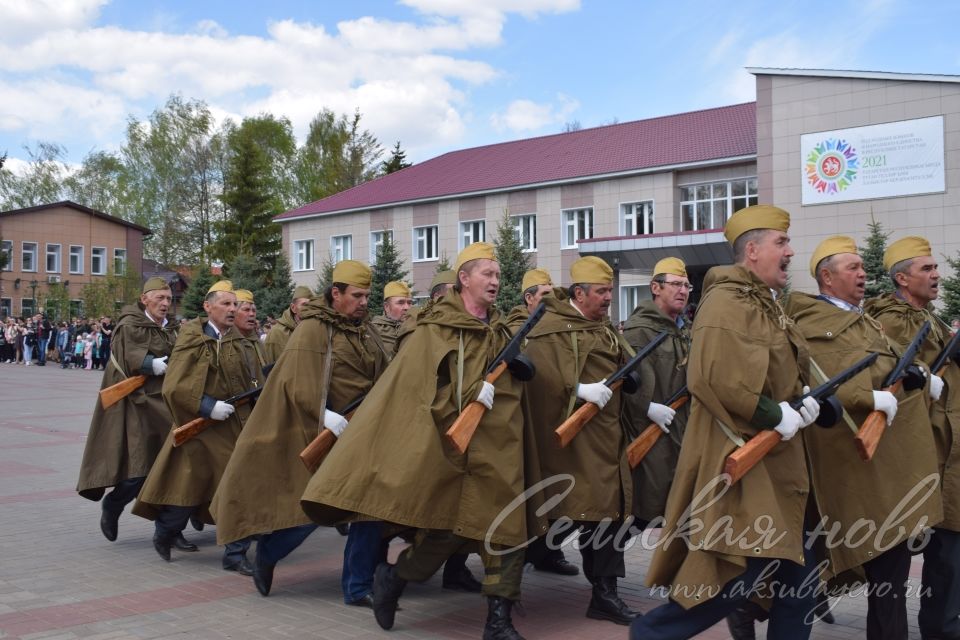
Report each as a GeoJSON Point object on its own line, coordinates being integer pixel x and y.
{"type": "Point", "coordinates": [53, 279]}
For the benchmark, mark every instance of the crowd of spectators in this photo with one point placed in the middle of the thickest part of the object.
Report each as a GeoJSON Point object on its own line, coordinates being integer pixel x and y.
{"type": "Point", "coordinates": [78, 344]}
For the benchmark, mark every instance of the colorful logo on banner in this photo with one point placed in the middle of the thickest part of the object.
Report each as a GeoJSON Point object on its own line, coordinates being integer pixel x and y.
{"type": "Point", "coordinates": [832, 166]}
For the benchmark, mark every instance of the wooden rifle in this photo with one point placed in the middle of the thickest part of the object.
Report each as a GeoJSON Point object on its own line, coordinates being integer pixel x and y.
{"type": "Point", "coordinates": [117, 392]}
{"type": "Point", "coordinates": [320, 446]}
{"type": "Point", "coordinates": [642, 444]}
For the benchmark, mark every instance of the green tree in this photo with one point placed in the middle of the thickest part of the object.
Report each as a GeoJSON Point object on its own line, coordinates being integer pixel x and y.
{"type": "Point", "coordinates": [41, 183]}
{"type": "Point", "coordinates": [878, 279]}
{"type": "Point", "coordinates": [443, 264]}
{"type": "Point", "coordinates": [513, 263]}
{"type": "Point", "coordinates": [197, 290]}
{"type": "Point", "coordinates": [325, 277]}
{"type": "Point", "coordinates": [950, 291]}
{"type": "Point", "coordinates": [57, 304]}
{"type": "Point", "coordinates": [102, 183]}
{"type": "Point", "coordinates": [387, 267]}
{"type": "Point", "coordinates": [397, 161]}
{"type": "Point", "coordinates": [278, 290]}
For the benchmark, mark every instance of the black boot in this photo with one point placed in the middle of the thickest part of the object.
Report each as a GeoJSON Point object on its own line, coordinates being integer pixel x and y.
{"type": "Point", "coordinates": [387, 588]}
{"type": "Point", "coordinates": [605, 603]}
{"type": "Point", "coordinates": [108, 524]}
{"type": "Point", "coordinates": [499, 625]}
{"type": "Point", "coordinates": [823, 608]}
{"type": "Point", "coordinates": [740, 623]}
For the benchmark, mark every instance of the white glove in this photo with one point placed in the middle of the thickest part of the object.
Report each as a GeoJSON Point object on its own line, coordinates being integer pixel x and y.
{"type": "Point", "coordinates": [485, 397]}
{"type": "Point", "coordinates": [886, 402]}
{"type": "Point", "coordinates": [222, 410]}
{"type": "Point", "coordinates": [159, 366]}
{"type": "Point", "coordinates": [790, 423]}
{"type": "Point", "coordinates": [595, 392]}
{"type": "Point", "coordinates": [810, 410]}
{"type": "Point", "coordinates": [334, 421]}
{"type": "Point", "coordinates": [661, 414]}
{"type": "Point", "coordinates": [936, 386]}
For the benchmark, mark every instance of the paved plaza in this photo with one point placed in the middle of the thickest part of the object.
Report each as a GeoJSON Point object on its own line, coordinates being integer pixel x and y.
{"type": "Point", "coordinates": [59, 577]}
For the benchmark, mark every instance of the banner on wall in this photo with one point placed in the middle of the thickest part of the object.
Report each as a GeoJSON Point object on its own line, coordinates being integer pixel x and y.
{"type": "Point", "coordinates": [879, 161]}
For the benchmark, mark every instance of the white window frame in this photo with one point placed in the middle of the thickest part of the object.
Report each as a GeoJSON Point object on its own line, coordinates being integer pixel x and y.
{"type": "Point", "coordinates": [528, 239]}
{"type": "Point", "coordinates": [572, 220]}
{"type": "Point", "coordinates": [103, 261]}
{"type": "Point", "coordinates": [377, 239]}
{"type": "Point", "coordinates": [431, 245]}
{"type": "Point", "coordinates": [303, 254]}
{"type": "Point", "coordinates": [747, 199]}
{"type": "Point", "coordinates": [472, 231]}
{"type": "Point", "coordinates": [32, 252]}
{"type": "Point", "coordinates": [630, 297]}
{"type": "Point", "coordinates": [76, 305]}
{"type": "Point", "coordinates": [56, 255]}
{"type": "Point", "coordinates": [628, 218]}
{"type": "Point", "coordinates": [6, 307]}
{"type": "Point", "coordinates": [341, 248]}
{"type": "Point", "coordinates": [79, 256]}
{"type": "Point", "coordinates": [7, 248]}
{"type": "Point", "coordinates": [121, 255]}
{"type": "Point", "coordinates": [27, 301]}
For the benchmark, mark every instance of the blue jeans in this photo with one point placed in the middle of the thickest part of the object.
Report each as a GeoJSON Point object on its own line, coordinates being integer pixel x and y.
{"type": "Point", "coordinates": [27, 352]}
{"type": "Point", "coordinates": [123, 494]}
{"type": "Point", "coordinates": [42, 355]}
{"type": "Point", "coordinates": [788, 615]}
{"type": "Point", "coordinates": [365, 549]}
{"type": "Point", "coordinates": [277, 545]}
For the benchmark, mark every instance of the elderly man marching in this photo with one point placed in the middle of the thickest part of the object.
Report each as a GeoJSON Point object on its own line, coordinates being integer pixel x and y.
{"type": "Point", "coordinates": [331, 360]}
{"type": "Point", "coordinates": [280, 332]}
{"type": "Point", "coordinates": [246, 324]}
{"type": "Point", "coordinates": [913, 270]}
{"type": "Point", "coordinates": [746, 361]}
{"type": "Point", "coordinates": [662, 374]}
{"type": "Point", "coordinates": [850, 493]}
{"type": "Point", "coordinates": [209, 364]}
{"type": "Point", "coordinates": [574, 348]}
{"type": "Point", "coordinates": [396, 305]}
{"type": "Point", "coordinates": [395, 464]}
{"type": "Point", "coordinates": [125, 438]}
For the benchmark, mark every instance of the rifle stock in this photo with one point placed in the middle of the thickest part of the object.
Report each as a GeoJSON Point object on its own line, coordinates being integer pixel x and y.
{"type": "Point", "coordinates": [320, 446]}
{"type": "Point", "coordinates": [461, 431]}
{"type": "Point", "coordinates": [747, 456]}
{"type": "Point", "coordinates": [117, 392]}
{"type": "Point", "coordinates": [190, 430]}
{"type": "Point", "coordinates": [641, 446]}
{"type": "Point", "coordinates": [573, 425]}
{"type": "Point", "coordinates": [868, 436]}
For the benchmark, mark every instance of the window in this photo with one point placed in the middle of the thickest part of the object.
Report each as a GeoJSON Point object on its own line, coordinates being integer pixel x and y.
{"type": "Point", "coordinates": [7, 250]}
{"type": "Point", "coordinates": [76, 259]}
{"type": "Point", "coordinates": [76, 308]}
{"type": "Point", "coordinates": [525, 228]}
{"type": "Point", "coordinates": [98, 261]}
{"type": "Point", "coordinates": [119, 261]}
{"type": "Point", "coordinates": [425, 243]}
{"type": "Point", "coordinates": [473, 231]}
{"type": "Point", "coordinates": [6, 307]}
{"type": "Point", "coordinates": [341, 248]}
{"type": "Point", "coordinates": [28, 257]}
{"type": "Point", "coordinates": [26, 307]}
{"type": "Point", "coordinates": [637, 218]}
{"type": "Point", "coordinates": [707, 206]}
{"type": "Point", "coordinates": [303, 255]}
{"type": "Point", "coordinates": [377, 238]}
{"type": "Point", "coordinates": [629, 299]}
{"type": "Point", "coordinates": [53, 258]}
{"type": "Point", "coordinates": [577, 226]}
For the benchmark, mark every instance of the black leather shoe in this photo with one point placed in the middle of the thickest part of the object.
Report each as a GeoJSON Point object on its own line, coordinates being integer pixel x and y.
{"type": "Point", "coordinates": [387, 589]}
{"type": "Point", "coordinates": [499, 625]}
{"type": "Point", "coordinates": [605, 603]}
{"type": "Point", "coordinates": [243, 567]}
{"type": "Point", "coordinates": [262, 574]}
{"type": "Point", "coordinates": [557, 564]}
{"type": "Point", "coordinates": [461, 580]}
{"type": "Point", "coordinates": [196, 523]}
{"type": "Point", "coordinates": [162, 546]}
{"type": "Point", "coordinates": [183, 544]}
{"type": "Point", "coordinates": [108, 524]}
{"type": "Point", "coordinates": [740, 623]}
{"type": "Point", "coordinates": [365, 601]}
{"type": "Point", "coordinates": [822, 610]}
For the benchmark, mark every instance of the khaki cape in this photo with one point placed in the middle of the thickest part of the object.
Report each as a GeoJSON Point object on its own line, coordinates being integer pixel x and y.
{"type": "Point", "coordinates": [188, 475]}
{"type": "Point", "coordinates": [393, 462]}
{"type": "Point", "coordinates": [662, 373]}
{"type": "Point", "coordinates": [125, 439]}
{"type": "Point", "coordinates": [742, 346]}
{"type": "Point", "coordinates": [264, 479]}
{"type": "Point", "coordinates": [861, 496]}
{"type": "Point", "coordinates": [389, 331]}
{"type": "Point", "coordinates": [568, 349]}
{"type": "Point", "coordinates": [279, 335]}
{"type": "Point", "coordinates": [901, 321]}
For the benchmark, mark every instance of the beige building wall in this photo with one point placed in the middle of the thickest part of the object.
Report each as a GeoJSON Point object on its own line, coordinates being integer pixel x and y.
{"type": "Point", "coordinates": [790, 106]}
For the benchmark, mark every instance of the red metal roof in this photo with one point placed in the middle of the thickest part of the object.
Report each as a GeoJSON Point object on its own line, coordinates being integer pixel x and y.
{"type": "Point", "coordinates": [697, 136]}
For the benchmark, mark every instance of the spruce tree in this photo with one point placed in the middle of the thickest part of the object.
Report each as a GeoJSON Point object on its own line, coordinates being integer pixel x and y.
{"type": "Point", "coordinates": [278, 292]}
{"type": "Point", "coordinates": [950, 291]}
{"type": "Point", "coordinates": [325, 277]}
{"type": "Point", "coordinates": [513, 263]}
{"type": "Point", "coordinates": [197, 291]}
{"type": "Point", "coordinates": [443, 264]}
{"type": "Point", "coordinates": [397, 161]}
{"type": "Point", "coordinates": [878, 280]}
{"type": "Point", "coordinates": [386, 268]}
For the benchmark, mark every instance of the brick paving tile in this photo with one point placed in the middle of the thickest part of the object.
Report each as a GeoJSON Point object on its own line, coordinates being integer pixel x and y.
{"type": "Point", "coordinates": [60, 580]}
